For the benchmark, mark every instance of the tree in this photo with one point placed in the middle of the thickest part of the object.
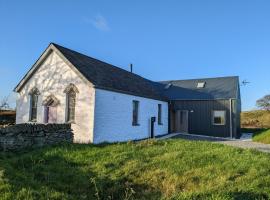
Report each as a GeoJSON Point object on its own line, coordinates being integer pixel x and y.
{"type": "Point", "coordinates": [4, 104]}
{"type": "Point", "coordinates": [264, 103]}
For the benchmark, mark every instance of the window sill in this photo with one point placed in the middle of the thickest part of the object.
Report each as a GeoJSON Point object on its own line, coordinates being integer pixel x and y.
{"type": "Point", "coordinates": [218, 124]}
{"type": "Point", "coordinates": [135, 124]}
{"type": "Point", "coordinates": [161, 124]}
{"type": "Point", "coordinates": [71, 122]}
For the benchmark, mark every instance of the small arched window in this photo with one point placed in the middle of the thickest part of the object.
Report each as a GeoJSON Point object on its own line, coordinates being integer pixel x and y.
{"type": "Point", "coordinates": [34, 93]}
{"type": "Point", "coordinates": [71, 92]}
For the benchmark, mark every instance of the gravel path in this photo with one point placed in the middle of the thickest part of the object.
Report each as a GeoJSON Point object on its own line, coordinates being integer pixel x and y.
{"type": "Point", "coordinates": [248, 145]}
{"type": "Point", "coordinates": [232, 142]}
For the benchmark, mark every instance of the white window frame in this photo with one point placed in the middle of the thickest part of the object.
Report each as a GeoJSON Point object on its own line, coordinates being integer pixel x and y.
{"type": "Point", "coordinates": [213, 118]}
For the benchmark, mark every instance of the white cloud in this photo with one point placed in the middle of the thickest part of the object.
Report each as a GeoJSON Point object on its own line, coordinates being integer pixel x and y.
{"type": "Point", "coordinates": [99, 22]}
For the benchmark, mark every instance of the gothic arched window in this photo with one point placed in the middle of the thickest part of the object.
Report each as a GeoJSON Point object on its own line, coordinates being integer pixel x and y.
{"type": "Point", "coordinates": [70, 91]}
{"type": "Point", "coordinates": [34, 93]}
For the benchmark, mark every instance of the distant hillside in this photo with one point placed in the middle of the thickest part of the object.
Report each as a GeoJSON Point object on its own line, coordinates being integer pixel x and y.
{"type": "Point", "coordinates": [7, 117]}
{"type": "Point", "coordinates": [255, 119]}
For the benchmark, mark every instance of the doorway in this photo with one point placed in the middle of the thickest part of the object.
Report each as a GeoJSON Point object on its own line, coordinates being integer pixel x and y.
{"type": "Point", "coordinates": [181, 121]}
{"type": "Point", "coordinates": [50, 113]}
{"type": "Point", "coordinates": [50, 109]}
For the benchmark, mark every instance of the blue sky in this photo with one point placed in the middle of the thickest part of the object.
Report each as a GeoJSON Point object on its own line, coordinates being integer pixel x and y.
{"type": "Point", "coordinates": [163, 39]}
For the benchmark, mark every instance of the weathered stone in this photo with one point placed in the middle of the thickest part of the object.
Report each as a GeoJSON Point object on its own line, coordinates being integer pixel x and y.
{"type": "Point", "coordinates": [22, 136]}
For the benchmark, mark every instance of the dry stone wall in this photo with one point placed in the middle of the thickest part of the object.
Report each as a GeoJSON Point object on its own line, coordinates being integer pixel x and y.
{"type": "Point", "coordinates": [22, 136]}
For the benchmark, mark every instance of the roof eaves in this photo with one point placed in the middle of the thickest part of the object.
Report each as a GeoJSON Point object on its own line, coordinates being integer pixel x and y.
{"type": "Point", "coordinates": [190, 99]}
{"type": "Point", "coordinates": [161, 98]}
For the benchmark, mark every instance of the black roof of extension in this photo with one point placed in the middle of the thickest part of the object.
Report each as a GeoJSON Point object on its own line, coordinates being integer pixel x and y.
{"type": "Point", "coordinates": [215, 88]}
{"type": "Point", "coordinates": [109, 77]}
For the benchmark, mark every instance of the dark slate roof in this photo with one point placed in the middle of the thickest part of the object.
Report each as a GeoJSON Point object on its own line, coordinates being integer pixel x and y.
{"type": "Point", "coordinates": [215, 88]}
{"type": "Point", "coordinates": [109, 77]}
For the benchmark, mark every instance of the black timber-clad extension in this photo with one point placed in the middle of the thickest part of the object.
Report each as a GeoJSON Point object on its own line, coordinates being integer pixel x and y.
{"type": "Point", "coordinates": [194, 102]}
{"type": "Point", "coordinates": [200, 116]}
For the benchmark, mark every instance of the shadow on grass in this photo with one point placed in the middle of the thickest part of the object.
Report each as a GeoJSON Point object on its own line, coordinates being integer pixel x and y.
{"type": "Point", "coordinates": [250, 195]}
{"type": "Point", "coordinates": [44, 175]}
{"type": "Point", "coordinates": [259, 132]}
{"type": "Point", "coordinates": [252, 130]}
{"type": "Point", "coordinates": [239, 195]}
{"type": "Point", "coordinates": [51, 173]}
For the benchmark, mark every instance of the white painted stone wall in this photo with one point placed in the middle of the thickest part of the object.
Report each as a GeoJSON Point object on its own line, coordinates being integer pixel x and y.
{"type": "Point", "coordinates": [53, 76]}
{"type": "Point", "coordinates": [113, 117]}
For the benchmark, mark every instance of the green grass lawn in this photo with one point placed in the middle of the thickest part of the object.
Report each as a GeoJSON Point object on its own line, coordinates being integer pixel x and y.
{"type": "Point", "coordinates": [168, 169]}
{"type": "Point", "coordinates": [262, 136]}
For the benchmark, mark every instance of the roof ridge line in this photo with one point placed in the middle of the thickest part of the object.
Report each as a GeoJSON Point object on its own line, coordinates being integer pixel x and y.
{"type": "Point", "coordinates": [100, 61]}
{"type": "Point", "coordinates": [193, 79]}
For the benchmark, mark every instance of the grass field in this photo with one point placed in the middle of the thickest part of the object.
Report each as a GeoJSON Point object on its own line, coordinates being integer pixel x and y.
{"type": "Point", "coordinates": [168, 169]}
{"type": "Point", "coordinates": [258, 123]}
{"type": "Point", "coordinates": [255, 119]}
{"type": "Point", "coordinates": [7, 118]}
